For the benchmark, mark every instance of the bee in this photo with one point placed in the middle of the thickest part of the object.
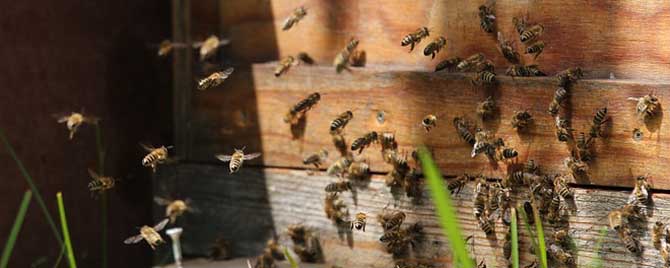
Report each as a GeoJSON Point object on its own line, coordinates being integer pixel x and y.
{"type": "Point", "coordinates": [531, 33]}
{"type": "Point", "coordinates": [399, 171]}
{"type": "Point", "coordinates": [150, 234]}
{"type": "Point", "coordinates": [155, 156]}
{"type": "Point", "coordinates": [470, 62]}
{"type": "Point", "coordinates": [519, 24]}
{"type": "Point", "coordinates": [337, 125]}
{"type": "Point", "coordinates": [507, 49]}
{"type": "Point", "coordinates": [164, 48]}
{"type": "Point", "coordinates": [391, 221]}
{"type": "Point", "coordinates": [508, 153]}
{"type": "Point", "coordinates": [486, 225]}
{"type": "Point", "coordinates": [457, 184]}
{"type": "Point", "coordinates": [521, 120]}
{"type": "Point", "coordinates": [338, 187]}
{"type": "Point", "coordinates": [359, 171]}
{"type": "Point", "coordinates": [412, 183]}
{"type": "Point", "coordinates": [209, 47]}
{"type": "Point", "coordinates": [429, 122]}
{"type": "Point", "coordinates": [577, 167]}
{"type": "Point", "coordinates": [316, 159]}
{"type": "Point", "coordinates": [448, 64]}
{"type": "Point", "coordinates": [298, 233]}
{"type": "Point", "coordinates": [363, 142]}
{"type": "Point", "coordinates": [335, 208]}
{"type": "Point", "coordinates": [74, 120]}
{"type": "Point", "coordinates": [583, 145]}
{"type": "Point", "coordinates": [387, 141]}
{"type": "Point", "coordinates": [214, 79]}
{"type": "Point", "coordinates": [561, 237]}
{"type": "Point", "coordinates": [507, 244]}
{"type": "Point", "coordinates": [359, 222]}
{"type": "Point", "coordinates": [174, 208]}
{"type": "Point", "coordinates": [264, 260]}
{"type": "Point", "coordinates": [300, 108]}
{"type": "Point", "coordinates": [598, 120]}
{"type": "Point", "coordinates": [569, 76]}
{"type": "Point", "coordinates": [237, 159]}
{"type": "Point", "coordinates": [658, 233]}
{"type": "Point", "coordinates": [340, 144]}
{"type": "Point", "coordinates": [563, 132]}
{"type": "Point", "coordinates": [341, 60]}
{"type": "Point", "coordinates": [528, 209]}
{"type": "Point", "coordinates": [483, 78]}
{"type": "Point", "coordinates": [220, 250]}
{"type": "Point", "coordinates": [535, 49]}
{"type": "Point", "coordinates": [311, 252]}
{"type": "Point", "coordinates": [415, 38]}
{"type": "Point", "coordinates": [487, 16]}
{"type": "Point", "coordinates": [647, 106]}
{"type": "Point", "coordinates": [284, 65]}
{"type": "Point", "coordinates": [665, 253]}
{"type": "Point", "coordinates": [494, 197]}
{"type": "Point", "coordinates": [561, 188]}
{"type": "Point", "coordinates": [559, 254]}
{"type": "Point", "coordinates": [486, 108]}
{"type": "Point", "coordinates": [482, 144]}
{"type": "Point", "coordinates": [339, 167]}
{"type": "Point", "coordinates": [294, 18]}
{"type": "Point", "coordinates": [629, 241]}
{"type": "Point", "coordinates": [305, 58]}
{"type": "Point", "coordinates": [435, 46]}
{"type": "Point", "coordinates": [480, 198]}
{"type": "Point", "coordinates": [100, 184]}
{"type": "Point", "coordinates": [464, 131]}
{"type": "Point", "coordinates": [640, 194]}
{"type": "Point", "coordinates": [358, 58]}
{"type": "Point", "coordinates": [531, 167]}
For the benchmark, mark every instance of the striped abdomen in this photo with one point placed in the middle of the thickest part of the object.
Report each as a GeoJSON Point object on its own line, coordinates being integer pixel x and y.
{"type": "Point", "coordinates": [236, 162]}
{"type": "Point", "coordinates": [341, 121]}
{"type": "Point", "coordinates": [362, 142]}
{"type": "Point", "coordinates": [508, 153]}
{"type": "Point", "coordinates": [306, 104]}
{"type": "Point", "coordinates": [338, 187]}
{"type": "Point", "coordinates": [600, 117]}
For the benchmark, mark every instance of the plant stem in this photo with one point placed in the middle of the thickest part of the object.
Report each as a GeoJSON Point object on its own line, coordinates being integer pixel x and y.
{"type": "Point", "coordinates": [66, 232]}
{"type": "Point", "coordinates": [540, 237]}
{"type": "Point", "coordinates": [515, 240]}
{"type": "Point", "coordinates": [103, 199]}
{"type": "Point", "coordinates": [16, 228]}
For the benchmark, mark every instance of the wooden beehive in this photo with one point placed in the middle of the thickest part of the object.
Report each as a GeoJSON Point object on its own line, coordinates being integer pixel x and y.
{"type": "Point", "coordinates": [621, 45]}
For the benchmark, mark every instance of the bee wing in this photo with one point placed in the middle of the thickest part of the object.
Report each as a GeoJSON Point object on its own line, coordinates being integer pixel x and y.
{"type": "Point", "coordinates": [161, 201]}
{"type": "Point", "coordinates": [133, 239]}
{"type": "Point", "coordinates": [251, 156]}
{"type": "Point", "coordinates": [93, 174]}
{"type": "Point", "coordinates": [91, 119]}
{"type": "Point", "coordinates": [223, 157]}
{"type": "Point", "coordinates": [147, 147]}
{"type": "Point", "coordinates": [61, 117]}
{"type": "Point", "coordinates": [197, 44]}
{"type": "Point", "coordinates": [161, 225]}
{"type": "Point", "coordinates": [190, 207]}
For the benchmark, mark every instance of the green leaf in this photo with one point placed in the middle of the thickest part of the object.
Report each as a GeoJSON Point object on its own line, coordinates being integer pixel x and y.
{"type": "Point", "coordinates": [533, 238]}
{"type": "Point", "coordinates": [540, 238]}
{"type": "Point", "coordinates": [515, 240]}
{"type": "Point", "coordinates": [290, 258]}
{"type": "Point", "coordinates": [16, 228]}
{"type": "Point", "coordinates": [66, 232]}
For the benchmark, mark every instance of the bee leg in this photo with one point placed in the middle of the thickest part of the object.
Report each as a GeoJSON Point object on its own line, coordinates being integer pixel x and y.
{"type": "Point", "coordinates": [433, 55]}
{"type": "Point", "coordinates": [411, 47]}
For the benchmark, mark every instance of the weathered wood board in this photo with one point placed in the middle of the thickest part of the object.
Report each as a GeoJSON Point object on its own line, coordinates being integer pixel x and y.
{"type": "Point", "coordinates": [248, 109]}
{"type": "Point", "coordinates": [246, 207]}
{"type": "Point", "coordinates": [236, 263]}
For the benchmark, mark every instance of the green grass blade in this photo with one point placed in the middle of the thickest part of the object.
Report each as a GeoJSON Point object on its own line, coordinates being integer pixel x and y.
{"type": "Point", "coordinates": [103, 199]}
{"type": "Point", "coordinates": [33, 187]}
{"type": "Point", "coordinates": [598, 261]}
{"type": "Point", "coordinates": [290, 258]}
{"type": "Point", "coordinates": [540, 238]}
{"type": "Point", "coordinates": [66, 232]}
{"type": "Point", "coordinates": [515, 240]}
{"type": "Point", "coordinates": [445, 210]}
{"type": "Point", "coordinates": [533, 239]}
{"type": "Point", "coordinates": [16, 228]}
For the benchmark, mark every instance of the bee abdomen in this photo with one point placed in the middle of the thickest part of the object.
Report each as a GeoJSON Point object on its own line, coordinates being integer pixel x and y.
{"type": "Point", "coordinates": [409, 39]}
{"type": "Point", "coordinates": [508, 153]}
{"type": "Point", "coordinates": [600, 117]}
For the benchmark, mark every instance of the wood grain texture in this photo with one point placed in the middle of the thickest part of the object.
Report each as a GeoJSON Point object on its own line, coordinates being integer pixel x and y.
{"type": "Point", "coordinates": [236, 115]}
{"type": "Point", "coordinates": [236, 263]}
{"type": "Point", "coordinates": [232, 205]}
{"type": "Point", "coordinates": [625, 38]}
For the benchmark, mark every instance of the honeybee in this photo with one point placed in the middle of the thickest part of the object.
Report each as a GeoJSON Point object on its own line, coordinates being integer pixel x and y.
{"type": "Point", "coordinates": [480, 198]}
{"type": "Point", "coordinates": [338, 187]}
{"type": "Point", "coordinates": [577, 167]}
{"type": "Point", "coordinates": [74, 120]}
{"type": "Point", "coordinates": [428, 122]}
{"type": "Point", "coordinates": [415, 38]}
{"type": "Point", "coordinates": [483, 78]}
{"type": "Point", "coordinates": [487, 16]}
{"type": "Point", "coordinates": [214, 79]}
{"type": "Point", "coordinates": [337, 125]}
{"type": "Point", "coordinates": [335, 208]}
{"type": "Point", "coordinates": [508, 153]}
{"type": "Point", "coordinates": [658, 233]}
{"type": "Point", "coordinates": [311, 252]}
{"type": "Point", "coordinates": [531, 33]}
{"type": "Point", "coordinates": [486, 225]}
{"type": "Point", "coordinates": [391, 221]}
{"type": "Point", "coordinates": [220, 250]}
{"type": "Point", "coordinates": [494, 197]}
{"type": "Point", "coordinates": [298, 233]}
{"type": "Point", "coordinates": [284, 65]}
{"type": "Point", "coordinates": [305, 58]}
{"type": "Point", "coordinates": [569, 76]}
{"type": "Point", "coordinates": [341, 60]}
{"type": "Point", "coordinates": [531, 167]}
{"type": "Point", "coordinates": [583, 145]}
{"type": "Point", "coordinates": [387, 141]}
{"type": "Point", "coordinates": [519, 24]}
{"type": "Point", "coordinates": [521, 120]}
{"type": "Point", "coordinates": [359, 171]}
{"type": "Point", "coordinates": [448, 64]}
{"type": "Point", "coordinates": [457, 184]}
{"type": "Point", "coordinates": [630, 242]}
{"type": "Point", "coordinates": [237, 159]}
{"type": "Point", "coordinates": [209, 47]}
{"type": "Point", "coordinates": [398, 239]}
{"type": "Point", "coordinates": [339, 167]}
{"type": "Point", "coordinates": [155, 156]}
{"type": "Point", "coordinates": [294, 18]}
{"type": "Point", "coordinates": [640, 194]}
{"type": "Point", "coordinates": [264, 260]}
{"type": "Point", "coordinates": [563, 132]}
{"type": "Point", "coordinates": [561, 188]}
{"type": "Point", "coordinates": [150, 234]}
{"type": "Point", "coordinates": [399, 171]}
{"type": "Point", "coordinates": [174, 208]}
{"type": "Point", "coordinates": [535, 49]}
{"type": "Point", "coordinates": [316, 159]}
{"type": "Point", "coordinates": [464, 131]}
{"type": "Point", "coordinates": [507, 49]}
{"type": "Point", "coordinates": [598, 120]}
{"type": "Point", "coordinates": [359, 222]}
{"type": "Point", "coordinates": [412, 184]}
{"type": "Point", "coordinates": [528, 70]}
{"type": "Point", "coordinates": [647, 106]}
{"type": "Point", "coordinates": [300, 108]}
{"type": "Point", "coordinates": [100, 184]}
{"type": "Point", "coordinates": [357, 58]}
{"type": "Point", "coordinates": [470, 62]}
{"type": "Point", "coordinates": [482, 145]}
{"type": "Point", "coordinates": [486, 108]}
{"type": "Point", "coordinates": [340, 144]}
{"type": "Point", "coordinates": [164, 48]}
{"type": "Point", "coordinates": [435, 46]}
{"type": "Point", "coordinates": [363, 142]}
{"type": "Point", "coordinates": [559, 254]}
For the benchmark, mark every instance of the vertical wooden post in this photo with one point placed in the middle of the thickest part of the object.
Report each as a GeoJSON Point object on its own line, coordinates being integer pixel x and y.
{"type": "Point", "coordinates": [182, 76]}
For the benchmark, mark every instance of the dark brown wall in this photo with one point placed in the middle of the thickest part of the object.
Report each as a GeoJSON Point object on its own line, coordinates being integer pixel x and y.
{"type": "Point", "coordinates": [60, 56]}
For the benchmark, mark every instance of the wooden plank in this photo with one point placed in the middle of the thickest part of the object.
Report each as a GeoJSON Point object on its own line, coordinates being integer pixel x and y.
{"type": "Point", "coordinates": [236, 263]}
{"type": "Point", "coordinates": [252, 117]}
{"type": "Point", "coordinates": [182, 75]}
{"type": "Point", "coordinates": [623, 38]}
{"type": "Point", "coordinates": [256, 201]}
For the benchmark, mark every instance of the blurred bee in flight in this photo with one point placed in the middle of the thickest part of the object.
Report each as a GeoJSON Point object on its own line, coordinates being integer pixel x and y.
{"type": "Point", "coordinates": [237, 159]}
{"type": "Point", "coordinates": [74, 120]}
{"type": "Point", "coordinates": [150, 234]}
{"type": "Point", "coordinates": [487, 17]}
{"type": "Point", "coordinates": [428, 122]}
{"type": "Point", "coordinates": [174, 208]}
{"type": "Point", "coordinates": [210, 46]}
{"type": "Point", "coordinates": [214, 79]}
{"type": "Point", "coordinates": [415, 38]}
{"type": "Point", "coordinates": [155, 156]}
{"type": "Point", "coordinates": [435, 47]}
{"type": "Point", "coordinates": [100, 184]}
{"type": "Point", "coordinates": [300, 108]}
{"type": "Point", "coordinates": [294, 18]}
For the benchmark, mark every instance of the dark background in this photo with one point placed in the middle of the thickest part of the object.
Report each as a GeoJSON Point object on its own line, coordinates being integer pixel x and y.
{"type": "Point", "coordinates": [62, 56]}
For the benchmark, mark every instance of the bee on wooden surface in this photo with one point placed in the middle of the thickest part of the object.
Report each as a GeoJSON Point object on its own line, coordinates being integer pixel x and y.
{"type": "Point", "coordinates": [528, 209]}
{"type": "Point", "coordinates": [560, 95]}
{"type": "Point", "coordinates": [519, 24]}
{"type": "Point", "coordinates": [523, 71]}
{"type": "Point", "coordinates": [305, 58]}
{"type": "Point", "coordinates": [569, 76]}
{"type": "Point", "coordinates": [300, 108]}
{"type": "Point", "coordinates": [487, 17]}
{"type": "Point", "coordinates": [220, 250]}
{"type": "Point", "coordinates": [264, 260]}
{"type": "Point", "coordinates": [272, 248]}
{"type": "Point", "coordinates": [412, 183]}
{"type": "Point", "coordinates": [316, 159]}
{"type": "Point", "coordinates": [338, 187]}
{"type": "Point", "coordinates": [415, 38]}
{"type": "Point", "coordinates": [359, 222]}
{"type": "Point", "coordinates": [298, 233]}
{"type": "Point", "coordinates": [428, 122]}
{"type": "Point", "coordinates": [448, 64]}
{"type": "Point", "coordinates": [391, 221]}
{"type": "Point", "coordinates": [577, 167]}
{"type": "Point", "coordinates": [74, 120]}
{"type": "Point", "coordinates": [237, 159]}
{"type": "Point", "coordinates": [463, 130]}
{"type": "Point", "coordinates": [486, 225]}
{"type": "Point", "coordinates": [535, 49]}
{"type": "Point", "coordinates": [174, 208]}
{"type": "Point", "coordinates": [507, 49]}
{"type": "Point", "coordinates": [494, 198]}
{"type": "Point", "coordinates": [630, 242]}
{"type": "Point", "coordinates": [210, 46]}
{"type": "Point", "coordinates": [457, 184]}
{"type": "Point", "coordinates": [598, 120]}
{"type": "Point", "coordinates": [486, 108]}
{"type": "Point", "coordinates": [310, 252]}
{"type": "Point", "coordinates": [531, 33]}
{"type": "Point", "coordinates": [358, 171]}
{"type": "Point", "coordinates": [284, 65]}
{"type": "Point", "coordinates": [483, 78]}
{"type": "Point", "coordinates": [335, 208]}
{"type": "Point", "coordinates": [435, 46]}
{"type": "Point", "coordinates": [341, 60]}
{"type": "Point", "coordinates": [294, 18]}
{"type": "Point", "coordinates": [563, 132]}
{"type": "Point", "coordinates": [363, 142]}
{"type": "Point", "coordinates": [640, 194]}
{"type": "Point", "coordinates": [507, 153]}
{"type": "Point", "coordinates": [658, 233]}
{"type": "Point", "coordinates": [559, 254]}
{"type": "Point", "coordinates": [214, 79]}
{"type": "Point", "coordinates": [583, 145]}
{"type": "Point", "coordinates": [618, 218]}
{"type": "Point", "coordinates": [647, 106]}
{"type": "Point", "coordinates": [521, 120]}
{"type": "Point", "coordinates": [339, 167]}
{"type": "Point", "coordinates": [340, 144]}
{"type": "Point", "coordinates": [337, 125]}
{"type": "Point", "coordinates": [358, 58]}
{"type": "Point", "coordinates": [561, 237]}
{"type": "Point", "coordinates": [155, 156]}
{"type": "Point", "coordinates": [480, 198]}
{"type": "Point", "coordinates": [531, 167]}
{"type": "Point", "coordinates": [399, 171]}
{"type": "Point", "coordinates": [397, 240]}
{"type": "Point", "coordinates": [387, 141]}
{"type": "Point", "coordinates": [561, 188]}
{"type": "Point", "coordinates": [482, 144]}
{"type": "Point", "coordinates": [470, 62]}
{"type": "Point", "coordinates": [100, 184]}
{"type": "Point", "coordinates": [150, 234]}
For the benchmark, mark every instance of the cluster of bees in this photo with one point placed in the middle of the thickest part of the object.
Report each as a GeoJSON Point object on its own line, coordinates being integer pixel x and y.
{"type": "Point", "coordinates": [624, 219]}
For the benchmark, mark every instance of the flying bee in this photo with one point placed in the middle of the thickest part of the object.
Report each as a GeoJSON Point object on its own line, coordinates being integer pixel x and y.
{"type": "Point", "coordinates": [457, 184]}
{"type": "Point", "coordinates": [470, 62]}
{"type": "Point", "coordinates": [300, 108]}
{"type": "Point", "coordinates": [480, 198]}
{"type": "Point", "coordinates": [507, 49]}
{"type": "Point", "coordinates": [174, 208]}
{"type": "Point", "coordinates": [155, 156]}
{"type": "Point", "coordinates": [561, 188]}
{"type": "Point", "coordinates": [535, 49]}
{"type": "Point", "coordinates": [640, 194]}
{"type": "Point", "coordinates": [435, 46]}
{"type": "Point", "coordinates": [338, 187]}
{"type": "Point", "coordinates": [100, 184]}
{"type": "Point", "coordinates": [359, 171]}
{"type": "Point", "coordinates": [341, 60]}
{"type": "Point", "coordinates": [429, 122]}
{"type": "Point", "coordinates": [210, 46]}
{"type": "Point", "coordinates": [415, 38]}
{"type": "Point", "coordinates": [448, 64]}
{"type": "Point", "coordinates": [464, 131]}
{"type": "Point", "coordinates": [482, 78]}
{"type": "Point", "coordinates": [363, 142]}
{"type": "Point", "coordinates": [339, 167]}
{"type": "Point", "coordinates": [531, 33]}
{"type": "Point", "coordinates": [237, 159]}
{"type": "Point", "coordinates": [521, 120]}
{"type": "Point", "coordinates": [284, 65]}
{"type": "Point", "coordinates": [294, 18]}
{"type": "Point", "coordinates": [150, 234]}
{"type": "Point", "coordinates": [508, 153]}
{"type": "Point", "coordinates": [316, 159]}
{"type": "Point", "coordinates": [74, 120]}
{"type": "Point", "coordinates": [391, 221]}
{"type": "Point", "coordinates": [559, 254]}
{"type": "Point", "coordinates": [164, 48]}
{"type": "Point", "coordinates": [337, 125]}
{"type": "Point", "coordinates": [486, 108]}
{"type": "Point", "coordinates": [647, 106]}
{"type": "Point", "coordinates": [359, 222]}
{"type": "Point", "coordinates": [569, 76]}
{"type": "Point", "coordinates": [487, 17]}
{"type": "Point", "coordinates": [658, 233]}
{"type": "Point", "coordinates": [214, 79]}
